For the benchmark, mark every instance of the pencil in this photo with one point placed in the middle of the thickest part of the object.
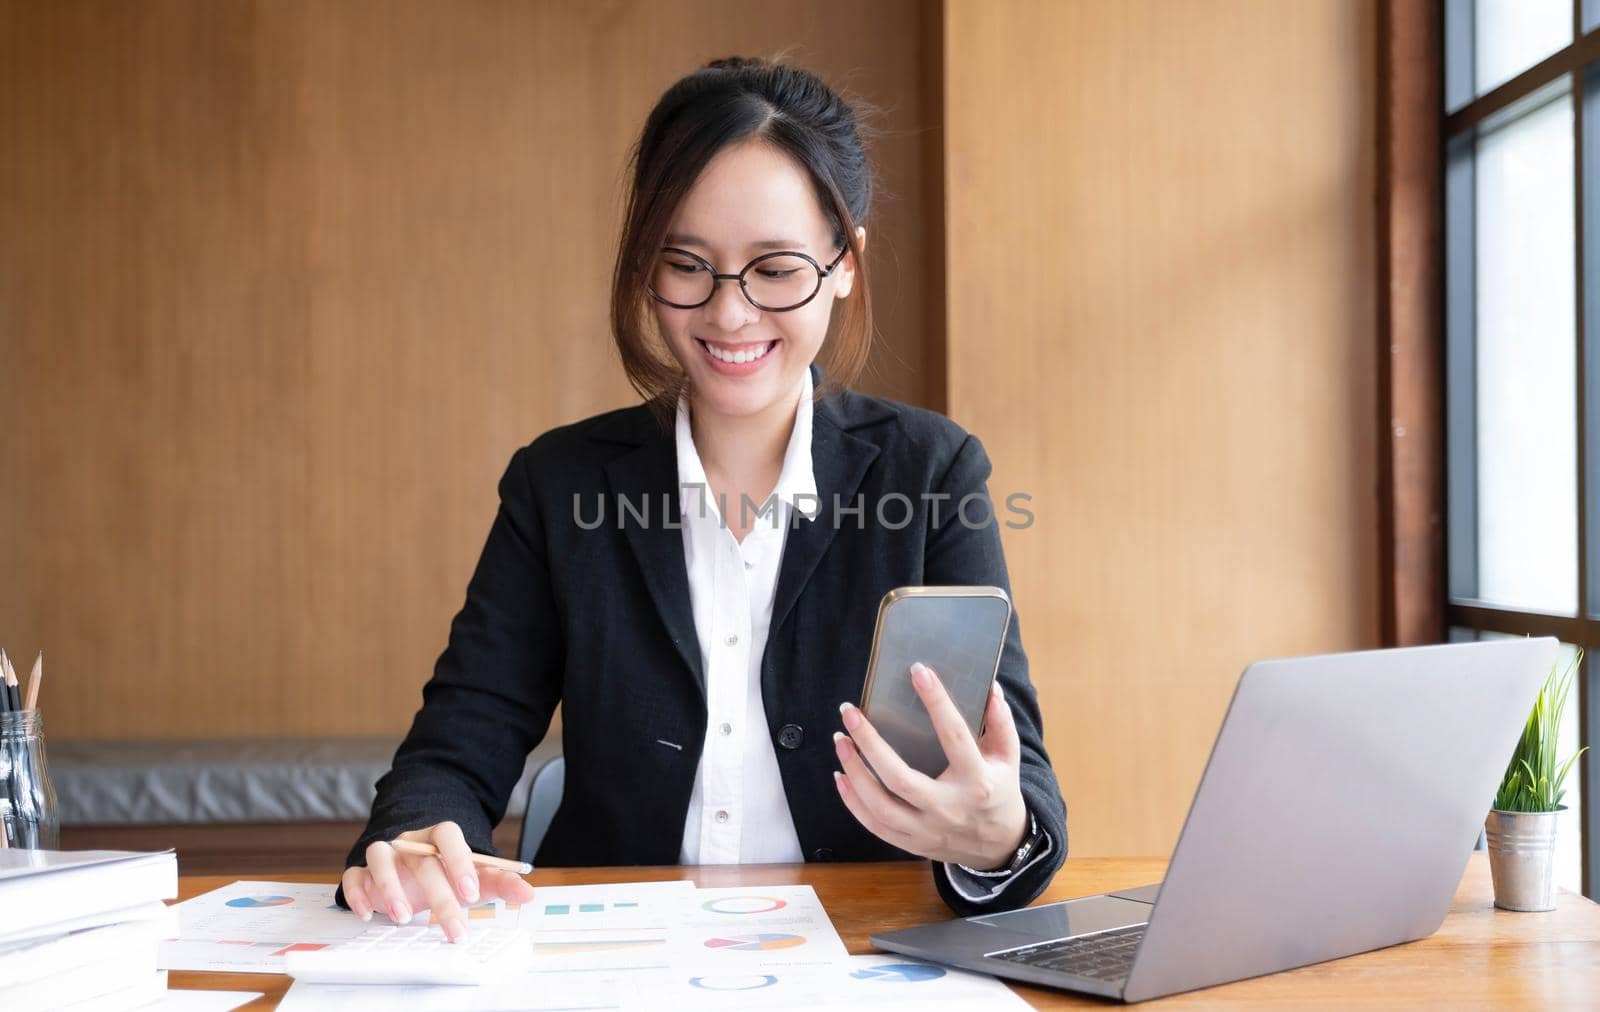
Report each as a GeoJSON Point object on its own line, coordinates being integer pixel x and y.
{"type": "Point", "coordinates": [481, 860]}
{"type": "Point", "coordinates": [13, 699]}
{"type": "Point", "coordinates": [33, 682]}
{"type": "Point", "coordinates": [5, 707]}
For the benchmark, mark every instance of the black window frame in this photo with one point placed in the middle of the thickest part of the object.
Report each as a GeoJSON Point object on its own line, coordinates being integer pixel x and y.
{"type": "Point", "coordinates": [1578, 65]}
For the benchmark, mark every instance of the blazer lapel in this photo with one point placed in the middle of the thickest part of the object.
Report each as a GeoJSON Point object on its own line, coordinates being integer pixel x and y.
{"type": "Point", "coordinates": [649, 475]}
{"type": "Point", "coordinates": [840, 461]}
{"type": "Point", "coordinates": [648, 478]}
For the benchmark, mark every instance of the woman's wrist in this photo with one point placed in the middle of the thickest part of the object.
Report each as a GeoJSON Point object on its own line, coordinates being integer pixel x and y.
{"type": "Point", "coordinates": [1000, 860]}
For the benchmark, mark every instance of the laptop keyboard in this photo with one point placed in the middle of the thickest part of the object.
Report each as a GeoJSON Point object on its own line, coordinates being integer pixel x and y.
{"type": "Point", "coordinates": [1107, 955]}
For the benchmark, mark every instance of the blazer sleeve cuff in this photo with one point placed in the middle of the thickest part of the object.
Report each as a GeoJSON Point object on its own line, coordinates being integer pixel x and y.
{"type": "Point", "coordinates": [970, 892]}
{"type": "Point", "coordinates": [424, 805]}
{"type": "Point", "coordinates": [985, 887]}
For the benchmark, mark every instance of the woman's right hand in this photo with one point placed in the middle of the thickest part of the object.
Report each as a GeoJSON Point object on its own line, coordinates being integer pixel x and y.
{"type": "Point", "coordinates": [401, 884]}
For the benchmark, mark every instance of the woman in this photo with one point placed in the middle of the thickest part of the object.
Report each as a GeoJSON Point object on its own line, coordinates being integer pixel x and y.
{"type": "Point", "coordinates": [696, 579]}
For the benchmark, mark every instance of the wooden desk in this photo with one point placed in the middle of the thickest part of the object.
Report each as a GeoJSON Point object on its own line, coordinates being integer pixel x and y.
{"type": "Point", "coordinates": [1481, 957]}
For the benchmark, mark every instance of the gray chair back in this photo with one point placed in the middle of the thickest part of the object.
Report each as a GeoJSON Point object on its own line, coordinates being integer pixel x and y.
{"type": "Point", "coordinates": [544, 797]}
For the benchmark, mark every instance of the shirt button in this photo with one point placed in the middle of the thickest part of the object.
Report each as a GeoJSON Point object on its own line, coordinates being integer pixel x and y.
{"type": "Point", "coordinates": [732, 640]}
{"type": "Point", "coordinates": [791, 735]}
{"type": "Point", "coordinates": [725, 728]}
{"type": "Point", "coordinates": [722, 815]}
{"type": "Point", "coordinates": [749, 565]}
{"type": "Point", "coordinates": [822, 854]}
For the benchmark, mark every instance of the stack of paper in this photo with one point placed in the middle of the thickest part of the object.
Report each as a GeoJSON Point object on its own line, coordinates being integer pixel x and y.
{"type": "Point", "coordinates": [639, 945]}
{"type": "Point", "coordinates": [65, 912]}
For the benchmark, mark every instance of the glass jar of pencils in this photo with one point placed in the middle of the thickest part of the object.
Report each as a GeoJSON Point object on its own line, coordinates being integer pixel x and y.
{"type": "Point", "coordinates": [29, 817]}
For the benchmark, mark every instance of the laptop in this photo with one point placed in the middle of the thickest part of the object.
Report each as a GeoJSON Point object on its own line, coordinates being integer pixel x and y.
{"type": "Point", "coordinates": [1342, 799]}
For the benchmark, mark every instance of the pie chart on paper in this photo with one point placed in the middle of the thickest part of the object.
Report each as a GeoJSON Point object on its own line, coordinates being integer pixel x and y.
{"type": "Point", "coordinates": [743, 905]}
{"type": "Point", "coordinates": [260, 901]}
{"type": "Point", "coordinates": [910, 973]}
{"type": "Point", "coordinates": [756, 943]}
{"type": "Point", "coordinates": [749, 982]}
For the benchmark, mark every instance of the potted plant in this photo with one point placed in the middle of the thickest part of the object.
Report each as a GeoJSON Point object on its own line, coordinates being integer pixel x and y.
{"type": "Point", "coordinates": [1521, 829]}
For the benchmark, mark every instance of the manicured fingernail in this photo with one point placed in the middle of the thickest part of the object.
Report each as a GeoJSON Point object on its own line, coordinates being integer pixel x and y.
{"type": "Point", "coordinates": [851, 716]}
{"type": "Point", "coordinates": [999, 693]}
{"type": "Point", "coordinates": [921, 677]}
{"type": "Point", "coordinates": [840, 782]}
{"type": "Point", "coordinates": [455, 929]}
{"type": "Point", "coordinates": [366, 915]}
{"type": "Point", "coordinates": [400, 912]}
{"type": "Point", "coordinates": [841, 746]}
{"type": "Point", "coordinates": [469, 888]}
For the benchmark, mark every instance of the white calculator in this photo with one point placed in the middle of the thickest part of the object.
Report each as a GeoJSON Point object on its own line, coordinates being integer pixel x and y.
{"type": "Point", "coordinates": [406, 954]}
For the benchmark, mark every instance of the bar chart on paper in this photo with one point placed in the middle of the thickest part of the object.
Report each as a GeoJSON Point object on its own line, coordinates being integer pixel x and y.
{"type": "Point", "coordinates": [621, 927]}
{"type": "Point", "coordinates": [756, 943]}
{"type": "Point", "coordinates": [579, 909]}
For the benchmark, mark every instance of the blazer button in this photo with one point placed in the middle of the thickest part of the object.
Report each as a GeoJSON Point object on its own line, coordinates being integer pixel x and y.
{"type": "Point", "coordinates": [822, 854]}
{"type": "Point", "coordinates": [791, 735]}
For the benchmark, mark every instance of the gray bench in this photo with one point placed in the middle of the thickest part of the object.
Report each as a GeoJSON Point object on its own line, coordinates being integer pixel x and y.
{"type": "Point", "coordinates": [308, 787]}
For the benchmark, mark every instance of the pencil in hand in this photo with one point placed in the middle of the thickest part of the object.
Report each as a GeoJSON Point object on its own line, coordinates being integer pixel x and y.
{"type": "Point", "coordinates": [416, 849]}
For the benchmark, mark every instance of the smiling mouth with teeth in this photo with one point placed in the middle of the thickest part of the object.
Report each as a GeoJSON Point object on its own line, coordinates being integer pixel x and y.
{"type": "Point", "coordinates": [749, 353]}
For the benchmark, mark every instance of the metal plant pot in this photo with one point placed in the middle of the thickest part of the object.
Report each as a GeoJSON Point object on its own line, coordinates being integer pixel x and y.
{"type": "Point", "coordinates": [1522, 852]}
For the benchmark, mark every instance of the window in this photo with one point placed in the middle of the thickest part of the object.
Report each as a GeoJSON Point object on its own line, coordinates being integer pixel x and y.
{"type": "Point", "coordinates": [1522, 277]}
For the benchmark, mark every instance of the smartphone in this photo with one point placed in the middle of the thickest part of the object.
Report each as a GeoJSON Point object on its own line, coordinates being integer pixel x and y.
{"type": "Point", "coordinates": [959, 633]}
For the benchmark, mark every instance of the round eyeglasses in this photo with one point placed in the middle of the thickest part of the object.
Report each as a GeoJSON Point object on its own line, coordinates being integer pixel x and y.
{"type": "Point", "coordinates": [772, 282]}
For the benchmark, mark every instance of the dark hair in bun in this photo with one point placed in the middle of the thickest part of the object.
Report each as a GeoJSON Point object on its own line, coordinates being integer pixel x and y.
{"type": "Point", "coordinates": [727, 101]}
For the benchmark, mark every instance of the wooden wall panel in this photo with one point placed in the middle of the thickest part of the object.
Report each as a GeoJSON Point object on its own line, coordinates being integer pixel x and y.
{"type": "Point", "coordinates": [1161, 315]}
{"type": "Point", "coordinates": [282, 286]}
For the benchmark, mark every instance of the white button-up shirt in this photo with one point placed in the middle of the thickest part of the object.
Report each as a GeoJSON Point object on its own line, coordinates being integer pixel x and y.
{"type": "Point", "coordinates": [738, 811]}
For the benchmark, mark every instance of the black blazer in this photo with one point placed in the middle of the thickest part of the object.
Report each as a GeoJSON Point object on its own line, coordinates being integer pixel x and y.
{"type": "Point", "coordinates": [599, 621]}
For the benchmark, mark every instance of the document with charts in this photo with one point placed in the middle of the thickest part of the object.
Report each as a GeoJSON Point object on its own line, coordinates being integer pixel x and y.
{"type": "Point", "coordinates": [530, 993]}
{"type": "Point", "coordinates": [249, 927]}
{"type": "Point", "coordinates": [875, 983]}
{"type": "Point", "coordinates": [753, 929]}
{"type": "Point", "coordinates": [595, 946]}
{"type": "Point", "coordinates": [626, 946]}
{"type": "Point", "coordinates": [621, 927]}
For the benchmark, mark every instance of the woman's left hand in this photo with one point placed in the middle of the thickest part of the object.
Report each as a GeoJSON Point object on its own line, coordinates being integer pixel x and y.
{"type": "Point", "coordinates": [973, 814]}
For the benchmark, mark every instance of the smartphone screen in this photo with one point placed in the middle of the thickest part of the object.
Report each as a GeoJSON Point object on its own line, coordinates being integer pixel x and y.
{"type": "Point", "coordinates": [959, 633]}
